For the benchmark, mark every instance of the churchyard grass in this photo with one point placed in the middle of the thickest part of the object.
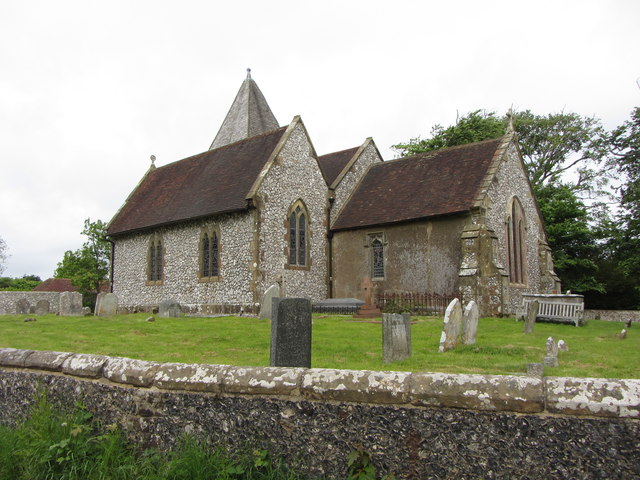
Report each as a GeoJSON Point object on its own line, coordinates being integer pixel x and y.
{"type": "Point", "coordinates": [338, 342]}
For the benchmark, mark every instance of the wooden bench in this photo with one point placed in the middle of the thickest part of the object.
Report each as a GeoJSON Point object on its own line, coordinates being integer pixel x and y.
{"type": "Point", "coordinates": [557, 308]}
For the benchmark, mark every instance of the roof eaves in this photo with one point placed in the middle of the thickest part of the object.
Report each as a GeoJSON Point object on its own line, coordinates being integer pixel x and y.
{"type": "Point", "coordinates": [403, 221]}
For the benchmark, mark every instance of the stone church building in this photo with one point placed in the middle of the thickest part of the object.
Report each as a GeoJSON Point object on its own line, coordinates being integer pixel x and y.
{"type": "Point", "coordinates": [260, 207]}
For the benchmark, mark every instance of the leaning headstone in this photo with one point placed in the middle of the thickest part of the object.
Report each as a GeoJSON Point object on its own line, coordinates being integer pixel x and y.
{"type": "Point", "coordinates": [291, 332]}
{"type": "Point", "coordinates": [106, 304]}
{"type": "Point", "coordinates": [71, 304]}
{"type": "Point", "coordinates": [267, 300]}
{"type": "Point", "coordinates": [396, 337]}
{"type": "Point", "coordinates": [42, 307]}
{"type": "Point", "coordinates": [532, 313]}
{"type": "Point", "coordinates": [22, 306]}
{"type": "Point", "coordinates": [451, 327]}
{"type": "Point", "coordinates": [470, 323]}
{"type": "Point", "coordinates": [551, 360]}
{"type": "Point", "coordinates": [169, 308]}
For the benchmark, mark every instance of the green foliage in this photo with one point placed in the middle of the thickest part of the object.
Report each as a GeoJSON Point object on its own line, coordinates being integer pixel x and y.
{"type": "Point", "coordinates": [473, 127]}
{"type": "Point", "coordinates": [88, 266]}
{"type": "Point", "coordinates": [24, 284]}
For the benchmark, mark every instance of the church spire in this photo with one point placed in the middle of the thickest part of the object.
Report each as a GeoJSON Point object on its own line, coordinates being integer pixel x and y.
{"type": "Point", "coordinates": [248, 116]}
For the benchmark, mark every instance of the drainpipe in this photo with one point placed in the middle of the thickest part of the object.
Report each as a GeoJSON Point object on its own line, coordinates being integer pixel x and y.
{"type": "Point", "coordinates": [113, 253]}
{"type": "Point", "coordinates": [330, 243]}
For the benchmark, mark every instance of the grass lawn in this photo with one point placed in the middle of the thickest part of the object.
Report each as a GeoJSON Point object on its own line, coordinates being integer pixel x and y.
{"type": "Point", "coordinates": [338, 342]}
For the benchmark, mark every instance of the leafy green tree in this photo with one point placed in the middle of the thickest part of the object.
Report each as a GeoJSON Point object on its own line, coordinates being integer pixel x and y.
{"type": "Point", "coordinates": [24, 284]}
{"type": "Point", "coordinates": [88, 266]}
{"type": "Point", "coordinates": [4, 256]}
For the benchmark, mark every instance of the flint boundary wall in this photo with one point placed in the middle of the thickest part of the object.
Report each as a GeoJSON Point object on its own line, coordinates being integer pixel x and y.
{"type": "Point", "coordinates": [8, 300]}
{"type": "Point", "coordinates": [414, 425]}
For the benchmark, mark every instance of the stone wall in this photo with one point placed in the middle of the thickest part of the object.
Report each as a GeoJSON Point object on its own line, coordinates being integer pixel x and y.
{"type": "Point", "coordinates": [612, 315]}
{"type": "Point", "coordinates": [8, 300]}
{"type": "Point", "coordinates": [420, 425]}
{"type": "Point", "coordinates": [295, 175]}
{"type": "Point", "coordinates": [181, 267]}
{"type": "Point", "coordinates": [419, 257]}
{"type": "Point", "coordinates": [511, 180]}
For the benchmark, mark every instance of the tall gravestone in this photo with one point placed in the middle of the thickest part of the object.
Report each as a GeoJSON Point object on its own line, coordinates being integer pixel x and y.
{"type": "Point", "coordinates": [530, 318]}
{"type": "Point", "coordinates": [106, 304]}
{"type": "Point", "coordinates": [470, 323]}
{"type": "Point", "coordinates": [291, 332]}
{"type": "Point", "coordinates": [71, 304]}
{"type": "Point", "coordinates": [42, 307]}
{"type": "Point", "coordinates": [267, 301]}
{"type": "Point", "coordinates": [22, 306]}
{"type": "Point", "coordinates": [396, 337]}
{"type": "Point", "coordinates": [451, 327]}
{"type": "Point", "coordinates": [169, 309]}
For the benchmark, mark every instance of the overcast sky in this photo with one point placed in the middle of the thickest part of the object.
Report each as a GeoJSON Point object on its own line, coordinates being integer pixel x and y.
{"type": "Point", "coordinates": [89, 90]}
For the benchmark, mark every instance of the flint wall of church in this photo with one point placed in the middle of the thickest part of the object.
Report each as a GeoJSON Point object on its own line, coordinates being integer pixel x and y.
{"type": "Point", "coordinates": [510, 181]}
{"type": "Point", "coordinates": [181, 263]}
{"type": "Point", "coordinates": [349, 182]}
{"type": "Point", "coordinates": [294, 176]}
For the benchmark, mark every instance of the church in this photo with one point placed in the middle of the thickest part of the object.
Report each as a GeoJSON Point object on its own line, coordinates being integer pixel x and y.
{"type": "Point", "coordinates": [215, 230]}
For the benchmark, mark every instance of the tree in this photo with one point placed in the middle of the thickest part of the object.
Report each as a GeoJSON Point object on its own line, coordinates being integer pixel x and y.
{"type": "Point", "coordinates": [4, 256]}
{"type": "Point", "coordinates": [88, 266]}
{"type": "Point", "coordinates": [24, 284]}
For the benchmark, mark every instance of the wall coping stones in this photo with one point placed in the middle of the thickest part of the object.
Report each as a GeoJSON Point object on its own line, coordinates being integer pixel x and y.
{"type": "Point", "coordinates": [595, 397]}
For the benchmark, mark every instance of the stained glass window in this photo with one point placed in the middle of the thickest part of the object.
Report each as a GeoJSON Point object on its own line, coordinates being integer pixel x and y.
{"type": "Point", "coordinates": [206, 256]}
{"type": "Point", "coordinates": [298, 226]}
{"type": "Point", "coordinates": [377, 258]}
{"type": "Point", "coordinates": [214, 255]}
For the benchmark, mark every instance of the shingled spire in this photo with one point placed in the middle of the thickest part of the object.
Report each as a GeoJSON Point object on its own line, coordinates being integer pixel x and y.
{"type": "Point", "coordinates": [248, 116]}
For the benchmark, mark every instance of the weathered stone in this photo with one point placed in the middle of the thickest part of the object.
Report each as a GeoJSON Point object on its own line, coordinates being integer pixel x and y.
{"type": "Point", "coordinates": [182, 376]}
{"type": "Point", "coordinates": [479, 392]}
{"type": "Point", "coordinates": [42, 307]}
{"type": "Point", "coordinates": [562, 346]}
{"type": "Point", "coordinates": [106, 304]}
{"type": "Point", "coordinates": [532, 313]}
{"type": "Point", "coordinates": [396, 337]}
{"type": "Point", "coordinates": [551, 359]}
{"type": "Point", "coordinates": [140, 373]}
{"type": "Point", "coordinates": [535, 370]}
{"type": "Point", "coordinates": [86, 311]}
{"type": "Point", "coordinates": [45, 360]}
{"type": "Point", "coordinates": [22, 306]}
{"type": "Point", "coordinates": [262, 380]}
{"type": "Point", "coordinates": [451, 327]}
{"type": "Point", "coordinates": [356, 385]}
{"type": "Point", "coordinates": [623, 334]}
{"type": "Point", "coordinates": [71, 304]}
{"type": "Point", "coordinates": [13, 357]}
{"type": "Point", "coordinates": [470, 323]}
{"type": "Point", "coordinates": [150, 319]}
{"type": "Point", "coordinates": [30, 319]}
{"type": "Point", "coordinates": [593, 396]}
{"type": "Point", "coordinates": [291, 332]}
{"type": "Point", "coordinates": [170, 309]}
{"type": "Point", "coordinates": [84, 365]}
{"type": "Point", "coordinates": [267, 300]}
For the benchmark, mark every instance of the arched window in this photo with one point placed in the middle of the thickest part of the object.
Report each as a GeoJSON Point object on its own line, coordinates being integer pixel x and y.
{"type": "Point", "coordinates": [209, 255]}
{"type": "Point", "coordinates": [298, 235]}
{"type": "Point", "coordinates": [154, 260]}
{"type": "Point", "coordinates": [376, 258]}
{"type": "Point", "coordinates": [516, 243]}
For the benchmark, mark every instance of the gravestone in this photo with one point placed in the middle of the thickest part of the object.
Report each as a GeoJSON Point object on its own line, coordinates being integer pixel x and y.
{"type": "Point", "coordinates": [551, 360]}
{"type": "Point", "coordinates": [368, 310]}
{"type": "Point", "coordinates": [532, 313]}
{"type": "Point", "coordinates": [106, 304]}
{"type": "Point", "coordinates": [396, 337]}
{"type": "Point", "coordinates": [470, 323]}
{"type": "Point", "coordinates": [42, 307]}
{"type": "Point", "coordinates": [451, 327]}
{"type": "Point", "coordinates": [562, 346]}
{"type": "Point", "coordinates": [71, 304]}
{"type": "Point", "coordinates": [535, 370]}
{"type": "Point", "coordinates": [267, 300]}
{"type": "Point", "coordinates": [22, 306]}
{"type": "Point", "coordinates": [291, 332]}
{"type": "Point", "coordinates": [169, 309]}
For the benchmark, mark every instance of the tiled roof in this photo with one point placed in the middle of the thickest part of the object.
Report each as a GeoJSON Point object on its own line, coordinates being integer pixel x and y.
{"type": "Point", "coordinates": [437, 183]}
{"type": "Point", "coordinates": [212, 182]}
{"type": "Point", "coordinates": [56, 285]}
{"type": "Point", "coordinates": [333, 163]}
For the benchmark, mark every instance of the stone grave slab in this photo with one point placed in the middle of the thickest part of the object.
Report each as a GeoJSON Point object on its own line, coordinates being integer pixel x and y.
{"type": "Point", "coordinates": [470, 323]}
{"type": "Point", "coordinates": [291, 332]}
{"type": "Point", "coordinates": [42, 307]}
{"type": "Point", "coordinates": [71, 304]}
{"type": "Point", "coordinates": [451, 327]}
{"type": "Point", "coordinates": [267, 300]}
{"type": "Point", "coordinates": [106, 304]}
{"type": "Point", "coordinates": [170, 309]}
{"type": "Point", "coordinates": [22, 306]}
{"type": "Point", "coordinates": [396, 337]}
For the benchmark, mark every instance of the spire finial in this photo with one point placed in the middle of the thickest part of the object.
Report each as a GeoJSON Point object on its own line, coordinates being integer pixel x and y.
{"type": "Point", "coordinates": [248, 74]}
{"type": "Point", "coordinates": [510, 118]}
{"type": "Point", "coordinates": [153, 160]}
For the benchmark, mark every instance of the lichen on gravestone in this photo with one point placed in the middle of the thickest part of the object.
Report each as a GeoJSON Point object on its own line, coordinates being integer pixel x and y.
{"type": "Point", "coordinates": [451, 327]}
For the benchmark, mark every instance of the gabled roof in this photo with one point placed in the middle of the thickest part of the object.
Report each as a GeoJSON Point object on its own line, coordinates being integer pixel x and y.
{"type": "Point", "coordinates": [56, 285]}
{"type": "Point", "coordinates": [210, 183]}
{"type": "Point", "coordinates": [248, 116]}
{"type": "Point", "coordinates": [443, 182]}
{"type": "Point", "coordinates": [333, 163]}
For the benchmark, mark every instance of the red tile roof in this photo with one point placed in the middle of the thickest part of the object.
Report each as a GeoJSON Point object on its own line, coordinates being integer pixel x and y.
{"type": "Point", "coordinates": [212, 182]}
{"type": "Point", "coordinates": [443, 182]}
{"type": "Point", "coordinates": [333, 163]}
{"type": "Point", "coordinates": [56, 285]}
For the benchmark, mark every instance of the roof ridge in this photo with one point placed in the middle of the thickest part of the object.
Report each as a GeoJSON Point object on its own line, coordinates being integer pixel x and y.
{"type": "Point", "coordinates": [339, 151]}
